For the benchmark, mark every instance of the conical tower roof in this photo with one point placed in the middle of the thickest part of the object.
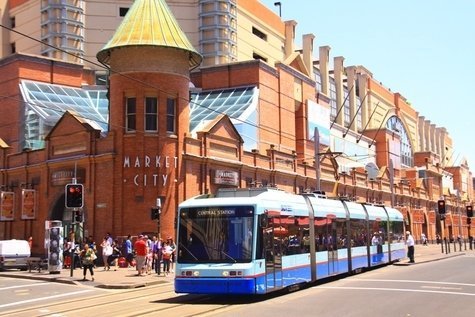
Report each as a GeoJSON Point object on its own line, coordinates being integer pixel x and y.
{"type": "Point", "coordinates": [150, 23]}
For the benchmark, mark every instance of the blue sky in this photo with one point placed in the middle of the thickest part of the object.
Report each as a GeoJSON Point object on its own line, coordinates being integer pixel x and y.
{"type": "Point", "coordinates": [423, 49]}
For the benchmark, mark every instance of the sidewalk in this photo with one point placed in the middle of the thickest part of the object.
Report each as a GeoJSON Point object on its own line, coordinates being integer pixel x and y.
{"type": "Point", "coordinates": [127, 277]}
{"type": "Point", "coordinates": [122, 278]}
{"type": "Point", "coordinates": [433, 252]}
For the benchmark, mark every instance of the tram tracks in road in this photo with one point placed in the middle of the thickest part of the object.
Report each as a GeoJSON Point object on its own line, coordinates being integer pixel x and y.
{"type": "Point", "coordinates": [67, 306]}
{"type": "Point", "coordinates": [146, 301]}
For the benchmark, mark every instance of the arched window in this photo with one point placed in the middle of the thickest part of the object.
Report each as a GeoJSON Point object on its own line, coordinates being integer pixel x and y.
{"type": "Point", "coordinates": [395, 125]}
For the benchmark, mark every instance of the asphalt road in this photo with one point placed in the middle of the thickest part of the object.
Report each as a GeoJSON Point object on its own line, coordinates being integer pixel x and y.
{"type": "Point", "coordinates": [442, 288]}
{"type": "Point", "coordinates": [439, 288]}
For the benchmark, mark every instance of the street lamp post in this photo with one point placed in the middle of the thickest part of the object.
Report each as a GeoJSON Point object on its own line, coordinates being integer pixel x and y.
{"type": "Point", "coordinates": [279, 4]}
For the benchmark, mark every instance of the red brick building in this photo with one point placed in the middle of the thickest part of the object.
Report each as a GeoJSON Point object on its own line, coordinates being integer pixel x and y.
{"type": "Point", "coordinates": [168, 135]}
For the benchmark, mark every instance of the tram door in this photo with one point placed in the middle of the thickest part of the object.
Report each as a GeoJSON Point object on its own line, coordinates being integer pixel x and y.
{"type": "Point", "coordinates": [273, 253]}
{"type": "Point", "coordinates": [332, 247]}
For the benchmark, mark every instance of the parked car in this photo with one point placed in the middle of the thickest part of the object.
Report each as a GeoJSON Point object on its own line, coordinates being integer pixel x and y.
{"type": "Point", "coordinates": [14, 254]}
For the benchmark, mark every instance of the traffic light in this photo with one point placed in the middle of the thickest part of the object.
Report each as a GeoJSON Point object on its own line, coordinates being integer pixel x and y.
{"type": "Point", "coordinates": [74, 195]}
{"type": "Point", "coordinates": [469, 211]}
{"type": "Point", "coordinates": [155, 213]}
{"type": "Point", "coordinates": [78, 216]}
{"type": "Point", "coordinates": [441, 206]}
{"type": "Point", "coordinates": [54, 246]}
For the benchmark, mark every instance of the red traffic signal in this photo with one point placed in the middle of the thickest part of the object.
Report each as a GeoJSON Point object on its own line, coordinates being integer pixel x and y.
{"type": "Point", "coordinates": [74, 195]}
{"type": "Point", "coordinates": [441, 206]}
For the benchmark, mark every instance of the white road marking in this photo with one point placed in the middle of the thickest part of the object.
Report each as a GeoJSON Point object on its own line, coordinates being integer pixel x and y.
{"type": "Point", "coordinates": [441, 287]}
{"type": "Point", "coordinates": [410, 281]}
{"type": "Point", "coordinates": [21, 286]}
{"type": "Point", "coordinates": [394, 290]}
{"type": "Point", "coordinates": [44, 298]}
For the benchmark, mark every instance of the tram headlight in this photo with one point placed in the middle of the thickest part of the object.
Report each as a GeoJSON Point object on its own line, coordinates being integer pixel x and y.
{"type": "Point", "coordinates": [196, 273]}
{"type": "Point", "coordinates": [225, 273]}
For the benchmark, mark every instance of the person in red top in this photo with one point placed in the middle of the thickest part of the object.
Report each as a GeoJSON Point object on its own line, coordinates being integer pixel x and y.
{"type": "Point", "coordinates": [141, 250]}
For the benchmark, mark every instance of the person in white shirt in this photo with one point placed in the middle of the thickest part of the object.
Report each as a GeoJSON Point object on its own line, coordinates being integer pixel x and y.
{"type": "Point", "coordinates": [410, 246]}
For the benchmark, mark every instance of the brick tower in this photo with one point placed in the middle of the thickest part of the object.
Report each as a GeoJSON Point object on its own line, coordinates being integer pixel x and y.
{"type": "Point", "coordinates": [150, 59]}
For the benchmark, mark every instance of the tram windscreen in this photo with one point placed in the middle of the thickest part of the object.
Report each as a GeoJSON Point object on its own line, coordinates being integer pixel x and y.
{"type": "Point", "coordinates": [215, 234]}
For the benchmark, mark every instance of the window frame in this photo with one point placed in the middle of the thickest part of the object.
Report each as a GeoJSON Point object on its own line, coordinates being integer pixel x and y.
{"type": "Point", "coordinates": [130, 117]}
{"type": "Point", "coordinates": [171, 117]}
{"type": "Point", "coordinates": [150, 114]}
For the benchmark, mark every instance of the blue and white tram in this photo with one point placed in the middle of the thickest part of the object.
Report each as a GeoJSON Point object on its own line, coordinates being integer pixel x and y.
{"type": "Point", "coordinates": [259, 240]}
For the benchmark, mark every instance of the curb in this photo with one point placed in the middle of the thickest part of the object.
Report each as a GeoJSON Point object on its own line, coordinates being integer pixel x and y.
{"type": "Point", "coordinates": [129, 286]}
{"type": "Point", "coordinates": [72, 281]}
{"type": "Point", "coordinates": [40, 278]}
{"type": "Point", "coordinates": [428, 260]}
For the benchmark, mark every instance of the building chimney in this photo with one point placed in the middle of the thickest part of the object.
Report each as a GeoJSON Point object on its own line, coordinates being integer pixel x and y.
{"type": "Point", "coordinates": [324, 56]}
{"type": "Point", "coordinates": [338, 75]}
{"type": "Point", "coordinates": [307, 40]}
{"type": "Point", "coordinates": [289, 46]}
{"type": "Point", "coordinates": [351, 84]}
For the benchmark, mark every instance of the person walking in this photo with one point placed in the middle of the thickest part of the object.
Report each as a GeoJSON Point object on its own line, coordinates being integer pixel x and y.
{"type": "Point", "coordinates": [157, 256]}
{"type": "Point", "coordinates": [113, 259]}
{"type": "Point", "coordinates": [106, 252]}
{"type": "Point", "coordinates": [87, 258]}
{"type": "Point", "coordinates": [424, 239]}
{"type": "Point", "coordinates": [172, 246]}
{"type": "Point", "coordinates": [166, 257]}
{"type": "Point", "coordinates": [141, 251]}
{"type": "Point", "coordinates": [410, 246]}
{"type": "Point", "coordinates": [129, 255]}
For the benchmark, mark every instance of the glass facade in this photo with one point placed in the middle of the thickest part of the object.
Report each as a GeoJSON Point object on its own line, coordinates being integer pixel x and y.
{"type": "Point", "coordinates": [239, 104]}
{"type": "Point", "coordinates": [46, 103]}
{"type": "Point", "coordinates": [395, 125]}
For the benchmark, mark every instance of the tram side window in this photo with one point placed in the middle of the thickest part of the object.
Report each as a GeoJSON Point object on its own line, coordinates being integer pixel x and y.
{"type": "Point", "coordinates": [321, 237]}
{"type": "Point", "coordinates": [379, 228]}
{"type": "Point", "coordinates": [359, 235]}
{"type": "Point", "coordinates": [341, 233]}
{"type": "Point", "coordinates": [260, 239]}
{"type": "Point", "coordinates": [396, 231]}
{"type": "Point", "coordinates": [291, 233]}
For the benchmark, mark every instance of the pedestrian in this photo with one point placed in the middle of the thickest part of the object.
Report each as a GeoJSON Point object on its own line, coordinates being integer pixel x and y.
{"type": "Point", "coordinates": [410, 246]}
{"type": "Point", "coordinates": [141, 252]}
{"type": "Point", "coordinates": [149, 256]}
{"type": "Point", "coordinates": [424, 239]}
{"type": "Point", "coordinates": [166, 257]}
{"type": "Point", "coordinates": [76, 253]}
{"type": "Point", "coordinates": [128, 251]}
{"type": "Point", "coordinates": [106, 252]}
{"type": "Point", "coordinates": [173, 252]}
{"type": "Point", "coordinates": [87, 258]}
{"type": "Point", "coordinates": [92, 245]}
{"type": "Point", "coordinates": [157, 256]}
{"type": "Point", "coordinates": [109, 238]}
{"type": "Point", "coordinates": [113, 259]}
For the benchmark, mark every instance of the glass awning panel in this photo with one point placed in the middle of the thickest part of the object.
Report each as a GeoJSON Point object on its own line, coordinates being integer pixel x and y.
{"type": "Point", "coordinates": [239, 104]}
{"type": "Point", "coordinates": [46, 103]}
{"type": "Point", "coordinates": [236, 103]}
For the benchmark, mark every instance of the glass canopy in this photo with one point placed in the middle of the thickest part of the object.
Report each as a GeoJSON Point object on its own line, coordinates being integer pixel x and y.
{"type": "Point", "coordinates": [239, 104]}
{"type": "Point", "coordinates": [46, 103]}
